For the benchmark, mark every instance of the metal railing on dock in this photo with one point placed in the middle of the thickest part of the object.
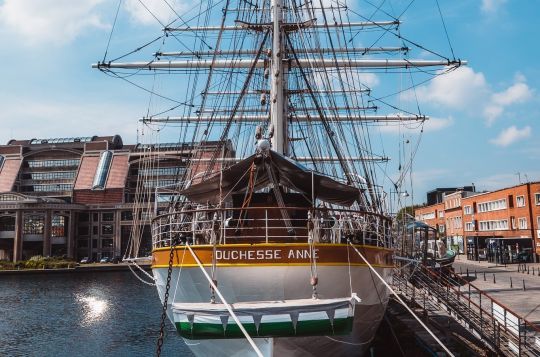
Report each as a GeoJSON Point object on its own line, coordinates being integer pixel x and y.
{"type": "Point", "coordinates": [497, 326]}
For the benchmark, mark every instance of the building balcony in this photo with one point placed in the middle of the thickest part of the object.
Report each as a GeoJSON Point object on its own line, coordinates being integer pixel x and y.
{"type": "Point", "coordinates": [7, 234]}
{"type": "Point", "coordinates": [33, 237]}
{"type": "Point", "coordinates": [58, 240]}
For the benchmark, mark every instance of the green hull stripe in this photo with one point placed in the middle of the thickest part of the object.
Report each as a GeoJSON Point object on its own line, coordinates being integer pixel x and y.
{"type": "Point", "coordinates": [341, 326]}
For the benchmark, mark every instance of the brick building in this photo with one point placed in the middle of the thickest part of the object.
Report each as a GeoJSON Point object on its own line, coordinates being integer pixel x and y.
{"type": "Point", "coordinates": [76, 196]}
{"type": "Point", "coordinates": [497, 225]}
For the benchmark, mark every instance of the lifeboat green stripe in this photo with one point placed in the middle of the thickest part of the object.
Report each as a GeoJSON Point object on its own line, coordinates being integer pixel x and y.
{"type": "Point", "coordinates": [341, 326]}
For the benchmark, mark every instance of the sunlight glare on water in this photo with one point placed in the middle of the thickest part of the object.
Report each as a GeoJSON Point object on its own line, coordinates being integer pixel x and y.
{"type": "Point", "coordinates": [94, 309]}
{"type": "Point", "coordinates": [82, 314]}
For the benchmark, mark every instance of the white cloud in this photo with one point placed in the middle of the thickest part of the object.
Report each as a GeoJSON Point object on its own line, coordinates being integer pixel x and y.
{"type": "Point", "coordinates": [50, 21]}
{"type": "Point", "coordinates": [458, 89]}
{"type": "Point", "coordinates": [369, 80]}
{"type": "Point", "coordinates": [144, 14]}
{"type": "Point", "coordinates": [511, 135]}
{"type": "Point", "coordinates": [491, 6]}
{"type": "Point", "coordinates": [517, 93]}
{"type": "Point", "coordinates": [468, 91]}
{"type": "Point", "coordinates": [431, 125]}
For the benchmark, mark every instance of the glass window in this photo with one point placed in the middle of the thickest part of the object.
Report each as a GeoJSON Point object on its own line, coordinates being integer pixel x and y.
{"type": "Point", "coordinates": [146, 215]}
{"type": "Point", "coordinates": [102, 170]}
{"type": "Point", "coordinates": [537, 199]}
{"type": "Point", "coordinates": [163, 171]}
{"type": "Point", "coordinates": [522, 223]}
{"type": "Point", "coordinates": [106, 243]}
{"type": "Point", "coordinates": [107, 216]}
{"type": "Point", "coordinates": [58, 226]}
{"type": "Point", "coordinates": [53, 163]}
{"type": "Point", "coordinates": [83, 230]}
{"type": "Point", "coordinates": [492, 205]}
{"type": "Point", "coordinates": [95, 230]}
{"type": "Point", "coordinates": [9, 198]}
{"type": "Point", "coordinates": [7, 224]}
{"type": "Point", "coordinates": [520, 201]}
{"type": "Point", "coordinates": [494, 225]}
{"type": "Point", "coordinates": [107, 229]}
{"type": "Point", "coordinates": [44, 176]}
{"type": "Point", "coordinates": [47, 188]}
{"type": "Point", "coordinates": [82, 243]}
{"type": "Point", "coordinates": [33, 224]}
{"type": "Point", "coordinates": [84, 217]}
{"type": "Point", "coordinates": [127, 215]}
{"type": "Point", "coordinates": [95, 217]}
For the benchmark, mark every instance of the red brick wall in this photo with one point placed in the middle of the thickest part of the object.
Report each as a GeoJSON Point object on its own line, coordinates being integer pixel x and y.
{"type": "Point", "coordinates": [535, 212]}
{"type": "Point", "coordinates": [510, 212]}
{"type": "Point", "coordinates": [98, 196]}
{"type": "Point", "coordinates": [10, 149]}
{"type": "Point", "coordinates": [436, 210]}
{"type": "Point", "coordinates": [118, 172]}
{"type": "Point", "coordinates": [87, 170]}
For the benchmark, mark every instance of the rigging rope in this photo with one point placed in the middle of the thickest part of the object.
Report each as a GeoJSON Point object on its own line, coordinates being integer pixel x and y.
{"type": "Point", "coordinates": [400, 300]}
{"type": "Point", "coordinates": [445, 30]}
{"type": "Point", "coordinates": [227, 306]}
{"type": "Point", "coordinates": [112, 30]}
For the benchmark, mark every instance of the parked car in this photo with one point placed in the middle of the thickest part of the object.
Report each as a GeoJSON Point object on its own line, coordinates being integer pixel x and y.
{"type": "Point", "coordinates": [524, 256]}
{"type": "Point", "coordinates": [105, 260]}
{"type": "Point", "coordinates": [86, 260]}
{"type": "Point", "coordinates": [116, 260]}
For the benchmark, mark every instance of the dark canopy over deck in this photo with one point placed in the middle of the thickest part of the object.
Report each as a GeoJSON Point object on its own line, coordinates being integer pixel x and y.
{"type": "Point", "coordinates": [290, 174]}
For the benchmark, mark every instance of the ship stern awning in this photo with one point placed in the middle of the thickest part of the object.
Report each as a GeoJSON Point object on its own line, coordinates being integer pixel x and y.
{"type": "Point", "coordinates": [253, 172]}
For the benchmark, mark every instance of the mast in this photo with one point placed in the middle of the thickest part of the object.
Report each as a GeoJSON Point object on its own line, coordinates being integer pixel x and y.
{"type": "Point", "coordinates": [277, 96]}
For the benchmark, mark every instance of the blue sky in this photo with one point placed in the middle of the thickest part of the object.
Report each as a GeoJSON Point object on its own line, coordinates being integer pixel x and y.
{"type": "Point", "coordinates": [485, 122]}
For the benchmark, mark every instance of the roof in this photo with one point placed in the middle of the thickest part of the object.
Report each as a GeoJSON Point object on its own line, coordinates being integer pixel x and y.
{"type": "Point", "coordinates": [256, 171]}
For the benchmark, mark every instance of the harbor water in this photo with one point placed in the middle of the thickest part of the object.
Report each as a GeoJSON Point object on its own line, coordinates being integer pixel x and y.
{"type": "Point", "coordinates": [82, 314]}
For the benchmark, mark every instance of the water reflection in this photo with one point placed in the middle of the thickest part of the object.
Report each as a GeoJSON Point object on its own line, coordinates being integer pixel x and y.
{"type": "Point", "coordinates": [82, 314]}
{"type": "Point", "coordinates": [93, 307]}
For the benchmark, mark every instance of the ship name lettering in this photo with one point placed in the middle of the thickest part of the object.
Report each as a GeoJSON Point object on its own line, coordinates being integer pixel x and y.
{"type": "Point", "coordinates": [302, 254]}
{"type": "Point", "coordinates": [267, 254]}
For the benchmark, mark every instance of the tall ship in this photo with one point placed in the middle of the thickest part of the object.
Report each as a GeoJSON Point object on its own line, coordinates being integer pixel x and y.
{"type": "Point", "coordinates": [275, 237]}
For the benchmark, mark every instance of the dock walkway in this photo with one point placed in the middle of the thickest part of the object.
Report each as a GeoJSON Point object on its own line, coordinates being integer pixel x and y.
{"type": "Point", "coordinates": [499, 327]}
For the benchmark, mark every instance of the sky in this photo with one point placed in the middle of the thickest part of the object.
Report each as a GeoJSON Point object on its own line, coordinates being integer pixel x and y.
{"type": "Point", "coordinates": [485, 116]}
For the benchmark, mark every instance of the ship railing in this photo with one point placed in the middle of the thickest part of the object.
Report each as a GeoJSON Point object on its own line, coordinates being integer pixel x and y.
{"type": "Point", "coordinates": [498, 325]}
{"type": "Point", "coordinates": [270, 225]}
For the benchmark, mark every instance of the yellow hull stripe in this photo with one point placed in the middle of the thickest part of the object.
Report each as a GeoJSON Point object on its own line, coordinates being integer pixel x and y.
{"type": "Point", "coordinates": [243, 265]}
{"type": "Point", "coordinates": [293, 254]}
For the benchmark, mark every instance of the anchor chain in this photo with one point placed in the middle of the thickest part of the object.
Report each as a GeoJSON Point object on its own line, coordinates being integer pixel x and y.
{"type": "Point", "coordinates": [165, 300]}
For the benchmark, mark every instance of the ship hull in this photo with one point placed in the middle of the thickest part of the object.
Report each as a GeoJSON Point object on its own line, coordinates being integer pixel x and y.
{"type": "Point", "coordinates": [260, 281]}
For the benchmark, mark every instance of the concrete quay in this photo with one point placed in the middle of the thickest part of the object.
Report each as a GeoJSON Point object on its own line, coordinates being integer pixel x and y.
{"type": "Point", "coordinates": [517, 290]}
{"type": "Point", "coordinates": [82, 268]}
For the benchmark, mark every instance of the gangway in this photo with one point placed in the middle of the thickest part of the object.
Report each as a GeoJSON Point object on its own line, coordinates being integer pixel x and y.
{"type": "Point", "coordinates": [501, 330]}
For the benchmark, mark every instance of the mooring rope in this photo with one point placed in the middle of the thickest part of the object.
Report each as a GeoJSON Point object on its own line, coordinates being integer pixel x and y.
{"type": "Point", "coordinates": [401, 301]}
